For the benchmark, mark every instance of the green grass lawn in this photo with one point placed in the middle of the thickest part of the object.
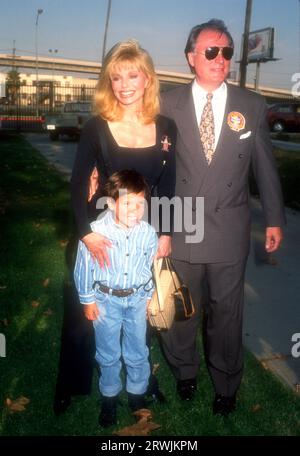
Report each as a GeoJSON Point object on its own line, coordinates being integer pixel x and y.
{"type": "Point", "coordinates": [35, 224]}
{"type": "Point", "coordinates": [288, 164]}
{"type": "Point", "coordinates": [289, 171]}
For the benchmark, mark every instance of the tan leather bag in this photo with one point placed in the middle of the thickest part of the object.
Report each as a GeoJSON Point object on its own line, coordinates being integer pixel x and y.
{"type": "Point", "coordinates": [171, 299]}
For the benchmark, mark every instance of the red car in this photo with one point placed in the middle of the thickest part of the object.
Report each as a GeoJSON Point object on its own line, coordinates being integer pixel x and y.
{"type": "Point", "coordinates": [284, 117]}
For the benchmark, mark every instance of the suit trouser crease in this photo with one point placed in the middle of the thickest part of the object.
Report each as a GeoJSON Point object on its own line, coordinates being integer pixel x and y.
{"type": "Point", "coordinates": [221, 295]}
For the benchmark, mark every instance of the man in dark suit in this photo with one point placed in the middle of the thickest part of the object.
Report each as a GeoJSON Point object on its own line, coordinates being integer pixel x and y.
{"type": "Point", "coordinates": [221, 132]}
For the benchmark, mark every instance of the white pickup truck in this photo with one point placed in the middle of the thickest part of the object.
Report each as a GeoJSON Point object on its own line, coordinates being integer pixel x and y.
{"type": "Point", "coordinates": [69, 121]}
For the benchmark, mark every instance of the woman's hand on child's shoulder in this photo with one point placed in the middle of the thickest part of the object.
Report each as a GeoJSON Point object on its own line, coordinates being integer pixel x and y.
{"type": "Point", "coordinates": [97, 246]}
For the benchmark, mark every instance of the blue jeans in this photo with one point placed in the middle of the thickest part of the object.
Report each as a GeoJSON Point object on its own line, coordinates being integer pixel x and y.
{"type": "Point", "coordinates": [127, 314]}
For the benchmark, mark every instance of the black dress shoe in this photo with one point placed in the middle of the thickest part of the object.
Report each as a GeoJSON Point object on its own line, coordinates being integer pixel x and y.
{"type": "Point", "coordinates": [156, 396]}
{"type": "Point", "coordinates": [187, 388]}
{"type": "Point", "coordinates": [224, 405]}
{"type": "Point", "coordinates": [60, 404]}
{"type": "Point", "coordinates": [153, 392]}
{"type": "Point", "coordinates": [108, 414]}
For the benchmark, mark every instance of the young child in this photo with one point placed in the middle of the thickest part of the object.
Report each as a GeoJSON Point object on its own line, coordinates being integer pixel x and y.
{"type": "Point", "coordinates": [115, 296]}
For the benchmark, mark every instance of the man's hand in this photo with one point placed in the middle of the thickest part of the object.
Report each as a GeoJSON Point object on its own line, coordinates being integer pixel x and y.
{"type": "Point", "coordinates": [273, 238]}
{"type": "Point", "coordinates": [91, 311]}
{"type": "Point", "coordinates": [97, 245]}
{"type": "Point", "coordinates": [164, 247]}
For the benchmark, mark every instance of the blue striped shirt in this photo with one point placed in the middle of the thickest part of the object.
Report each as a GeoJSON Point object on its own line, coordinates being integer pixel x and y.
{"type": "Point", "coordinates": [131, 256]}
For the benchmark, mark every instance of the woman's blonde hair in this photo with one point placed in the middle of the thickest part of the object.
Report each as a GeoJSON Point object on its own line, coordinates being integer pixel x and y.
{"type": "Point", "coordinates": [123, 54]}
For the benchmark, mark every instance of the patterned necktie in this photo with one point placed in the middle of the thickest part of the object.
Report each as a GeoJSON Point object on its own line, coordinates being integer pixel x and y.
{"type": "Point", "coordinates": [207, 129]}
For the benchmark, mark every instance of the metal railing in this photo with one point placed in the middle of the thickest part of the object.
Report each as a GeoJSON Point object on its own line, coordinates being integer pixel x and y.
{"type": "Point", "coordinates": [18, 107]}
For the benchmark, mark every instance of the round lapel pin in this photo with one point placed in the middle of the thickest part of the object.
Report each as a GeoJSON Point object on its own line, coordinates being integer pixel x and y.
{"type": "Point", "coordinates": [236, 121]}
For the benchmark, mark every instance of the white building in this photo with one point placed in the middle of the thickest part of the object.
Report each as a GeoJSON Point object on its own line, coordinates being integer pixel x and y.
{"type": "Point", "coordinates": [54, 89]}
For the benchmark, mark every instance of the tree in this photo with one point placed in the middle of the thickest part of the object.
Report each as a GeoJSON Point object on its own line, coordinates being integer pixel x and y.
{"type": "Point", "coordinates": [13, 83]}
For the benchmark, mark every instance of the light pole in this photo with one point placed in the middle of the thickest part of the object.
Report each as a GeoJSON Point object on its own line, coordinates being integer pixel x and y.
{"type": "Point", "coordinates": [244, 61]}
{"type": "Point", "coordinates": [299, 36]}
{"type": "Point", "coordinates": [52, 94]}
{"type": "Point", "coordinates": [54, 51]}
{"type": "Point", "coordinates": [106, 28]}
{"type": "Point", "coordinates": [39, 12]}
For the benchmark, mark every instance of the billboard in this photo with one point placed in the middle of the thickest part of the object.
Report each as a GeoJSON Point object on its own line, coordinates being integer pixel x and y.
{"type": "Point", "coordinates": [261, 45]}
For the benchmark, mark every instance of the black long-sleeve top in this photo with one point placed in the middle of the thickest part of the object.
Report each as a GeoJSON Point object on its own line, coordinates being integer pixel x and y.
{"type": "Point", "coordinates": [156, 165]}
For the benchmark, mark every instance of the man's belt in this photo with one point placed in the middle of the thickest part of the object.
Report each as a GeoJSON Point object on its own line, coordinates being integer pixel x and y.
{"type": "Point", "coordinates": [115, 292]}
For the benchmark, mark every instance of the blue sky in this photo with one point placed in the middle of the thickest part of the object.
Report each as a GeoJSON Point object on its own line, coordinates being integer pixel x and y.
{"type": "Point", "coordinates": [76, 29]}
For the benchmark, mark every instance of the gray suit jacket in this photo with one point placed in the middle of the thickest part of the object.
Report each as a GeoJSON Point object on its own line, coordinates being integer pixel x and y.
{"type": "Point", "coordinates": [224, 183]}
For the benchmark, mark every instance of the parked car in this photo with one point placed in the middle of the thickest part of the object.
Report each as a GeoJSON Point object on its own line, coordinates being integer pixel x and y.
{"type": "Point", "coordinates": [284, 117]}
{"type": "Point", "coordinates": [69, 121]}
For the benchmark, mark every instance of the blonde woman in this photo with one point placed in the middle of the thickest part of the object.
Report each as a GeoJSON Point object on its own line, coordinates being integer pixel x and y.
{"type": "Point", "coordinates": [128, 124]}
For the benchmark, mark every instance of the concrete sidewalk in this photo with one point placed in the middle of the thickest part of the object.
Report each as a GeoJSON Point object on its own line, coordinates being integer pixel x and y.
{"type": "Point", "coordinates": [272, 310]}
{"type": "Point", "coordinates": [272, 292]}
{"type": "Point", "coordinates": [286, 145]}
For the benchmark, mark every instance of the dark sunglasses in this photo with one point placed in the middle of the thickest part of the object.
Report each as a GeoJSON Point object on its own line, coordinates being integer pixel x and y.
{"type": "Point", "coordinates": [212, 52]}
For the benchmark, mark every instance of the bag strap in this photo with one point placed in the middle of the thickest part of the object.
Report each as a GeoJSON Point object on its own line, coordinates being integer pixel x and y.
{"type": "Point", "coordinates": [157, 267]}
{"type": "Point", "coordinates": [171, 270]}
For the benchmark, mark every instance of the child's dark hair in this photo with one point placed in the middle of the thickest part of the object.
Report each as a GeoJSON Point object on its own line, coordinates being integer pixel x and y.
{"type": "Point", "coordinates": [127, 179]}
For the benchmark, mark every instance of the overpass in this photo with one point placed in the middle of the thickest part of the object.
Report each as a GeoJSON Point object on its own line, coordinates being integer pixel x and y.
{"type": "Point", "coordinates": [94, 68]}
{"type": "Point", "coordinates": [77, 66]}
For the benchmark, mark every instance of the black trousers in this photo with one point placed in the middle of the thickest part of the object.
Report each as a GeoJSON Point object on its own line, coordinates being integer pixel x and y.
{"type": "Point", "coordinates": [222, 302]}
{"type": "Point", "coordinates": [77, 354]}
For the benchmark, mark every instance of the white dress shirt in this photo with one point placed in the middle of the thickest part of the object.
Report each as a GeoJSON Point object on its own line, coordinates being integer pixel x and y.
{"type": "Point", "coordinates": [218, 105]}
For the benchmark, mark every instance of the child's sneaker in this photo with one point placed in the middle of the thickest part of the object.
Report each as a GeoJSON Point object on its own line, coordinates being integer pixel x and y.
{"type": "Point", "coordinates": [108, 414]}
